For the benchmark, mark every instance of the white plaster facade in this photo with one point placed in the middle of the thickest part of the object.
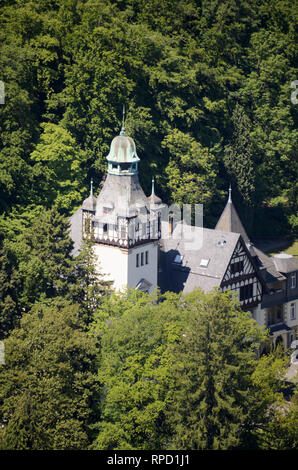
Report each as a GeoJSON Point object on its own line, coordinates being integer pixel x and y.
{"type": "Point", "coordinates": [120, 264]}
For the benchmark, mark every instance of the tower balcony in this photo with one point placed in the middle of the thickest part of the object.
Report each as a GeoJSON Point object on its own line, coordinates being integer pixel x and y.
{"type": "Point", "coordinates": [114, 240]}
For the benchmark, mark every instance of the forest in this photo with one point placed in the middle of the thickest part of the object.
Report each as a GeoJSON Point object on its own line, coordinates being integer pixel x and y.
{"type": "Point", "coordinates": [207, 91]}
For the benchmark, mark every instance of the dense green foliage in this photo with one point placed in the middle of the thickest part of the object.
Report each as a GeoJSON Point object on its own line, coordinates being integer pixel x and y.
{"type": "Point", "coordinates": [207, 86]}
{"type": "Point", "coordinates": [183, 374]}
{"type": "Point", "coordinates": [178, 372]}
{"type": "Point", "coordinates": [48, 386]}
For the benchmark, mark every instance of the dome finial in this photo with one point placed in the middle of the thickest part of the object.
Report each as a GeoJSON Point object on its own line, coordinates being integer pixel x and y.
{"type": "Point", "coordinates": [122, 132]}
{"type": "Point", "coordinates": [230, 193]}
{"type": "Point", "coordinates": [152, 185]}
{"type": "Point", "coordinates": [91, 187]}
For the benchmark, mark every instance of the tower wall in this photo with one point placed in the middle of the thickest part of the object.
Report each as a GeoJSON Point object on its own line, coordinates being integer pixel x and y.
{"type": "Point", "coordinates": [147, 271]}
{"type": "Point", "coordinates": [120, 265]}
{"type": "Point", "coordinates": [113, 264]}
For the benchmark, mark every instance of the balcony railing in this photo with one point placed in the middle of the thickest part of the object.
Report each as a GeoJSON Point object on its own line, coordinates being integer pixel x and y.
{"type": "Point", "coordinates": [275, 297]}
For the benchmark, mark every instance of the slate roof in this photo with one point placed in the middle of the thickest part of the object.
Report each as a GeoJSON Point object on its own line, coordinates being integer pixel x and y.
{"type": "Point", "coordinates": [214, 245]}
{"type": "Point", "coordinates": [285, 263]}
{"type": "Point", "coordinates": [267, 262]}
{"type": "Point", "coordinates": [89, 204]}
{"type": "Point", "coordinates": [123, 192]}
{"type": "Point", "coordinates": [229, 221]}
{"type": "Point", "coordinates": [278, 327]}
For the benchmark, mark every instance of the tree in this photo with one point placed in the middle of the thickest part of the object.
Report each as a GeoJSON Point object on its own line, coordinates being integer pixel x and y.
{"type": "Point", "coordinates": [88, 287]}
{"type": "Point", "coordinates": [46, 265]}
{"type": "Point", "coordinates": [133, 369]}
{"type": "Point", "coordinates": [191, 171]}
{"type": "Point", "coordinates": [282, 431]}
{"type": "Point", "coordinates": [48, 385]}
{"type": "Point", "coordinates": [58, 168]}
{"type": "Point", "coordinates": [213, 398]}
{"type": "Point", "coordinates": [9, 285]}
{"type": "Point", "coordinates": [179, 373]}
{"type": "Point", "coordinates": [239, 157]}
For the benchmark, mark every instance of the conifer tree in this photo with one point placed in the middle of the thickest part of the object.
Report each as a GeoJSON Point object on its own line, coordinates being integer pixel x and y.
{"type": "Point", "coordinates": [182, 374]}
{"type": "Point", "coordinates": [212, 389]}
{"type": "Point", "coordinates": [46, 266]}
{"type": "Point", "coordinates": [9, 308]}
{"type": "Point", "coordinates": [48, 385]}
{"type": "Point", "coordinates": [88, 287]}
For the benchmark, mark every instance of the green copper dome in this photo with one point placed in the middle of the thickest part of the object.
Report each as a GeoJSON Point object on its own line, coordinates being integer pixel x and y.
{"type": "Point", "coordinates": [123, 149]}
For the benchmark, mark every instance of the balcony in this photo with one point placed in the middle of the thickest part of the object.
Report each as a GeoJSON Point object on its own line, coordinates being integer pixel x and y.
{"type": "Point", "coordinates": [275, 297]}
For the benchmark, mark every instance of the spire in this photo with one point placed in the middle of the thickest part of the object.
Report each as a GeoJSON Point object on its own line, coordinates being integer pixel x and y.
{"type": "Point", "coordinates": [229, 220]}
{"type": "Point", "coordinates": [152, 192]}
{"type": "Point", "coordinates": [90, 203]}
{"type": "Point", "coordinates": [123, 132]}
{"type": "Point", "coordinates": [230, 194]}
{"type": "Point", "coordinates": [153, 199]}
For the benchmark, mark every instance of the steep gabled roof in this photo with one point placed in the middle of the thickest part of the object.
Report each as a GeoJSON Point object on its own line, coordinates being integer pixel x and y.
{"type": "Point", "coordinates": [229, 220]}
{"type": "Point", "coordinates": [285, 263]}
{"type": "Point", "coordinates": [267, 263]}
{"type": "Point", "coordinates": [201, 263]}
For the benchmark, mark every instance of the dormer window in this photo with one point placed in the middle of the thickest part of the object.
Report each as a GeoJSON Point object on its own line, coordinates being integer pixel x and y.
{"type": "Point", "coordinates": [293, 281]}
{"type": "Point", "coordinates": [178, 259]}
{"type": "Point", "coordinates": [107, 210]}
{"type": "Point", "coordinates": [293, 311]}
{"type": "Point", "coordinates": [204, 263]}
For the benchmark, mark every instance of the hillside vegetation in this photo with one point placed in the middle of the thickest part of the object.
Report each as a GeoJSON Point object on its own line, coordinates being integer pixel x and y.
{"type": "Point", "coordinates": [206, 85]}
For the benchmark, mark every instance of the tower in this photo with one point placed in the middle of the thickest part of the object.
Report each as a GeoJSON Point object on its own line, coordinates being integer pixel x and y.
{"type": "Point", "coordinates": [126, 224]}
{"type": "Point", "coordinates": [229, 220]}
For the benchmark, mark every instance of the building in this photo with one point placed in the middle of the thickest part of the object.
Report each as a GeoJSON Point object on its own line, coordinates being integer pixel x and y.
{"type": "Point", "coordinates": [138, 247]}
{"type": "Point", "coordinates": [125, 223]}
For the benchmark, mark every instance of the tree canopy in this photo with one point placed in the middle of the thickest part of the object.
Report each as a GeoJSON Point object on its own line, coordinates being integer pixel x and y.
{"type": "Point", "coordinates": [207, 89]}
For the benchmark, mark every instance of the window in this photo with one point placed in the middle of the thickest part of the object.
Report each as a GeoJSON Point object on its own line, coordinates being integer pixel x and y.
{"type": "Point", "coordinates": [114, 166]}
{"type": "Point", "coordinates": [123, 232]}
{"type": "Point", "coordinates": [137, 260]}
{"type": "Point", "coordinates": [293, 311]}
{"type": "Point", "coordinates": [236, 267]}
{"type": "Point", "coordinates": [204, 263]}
{"type": "Point", "coordinates": [125, 166]}
{"type": "Point", "coordinates": [246, 292]}
{"type": "Point", "coordinates": [293, 281]}
{"type": "Point", "coordinates": [142, 259]}
{"type": "Point", "coordinates": [146, 257]}
{"type": "Point", "coordinates": [105, 228]}
{"type": "Point", "coordinates": [87, 225]}
{"type": "Point", "coordinates": [178, 259]}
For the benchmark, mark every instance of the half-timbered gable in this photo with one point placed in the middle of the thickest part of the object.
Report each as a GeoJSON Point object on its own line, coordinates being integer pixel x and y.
{"type": "Point", "coordinates": [242, 277]}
